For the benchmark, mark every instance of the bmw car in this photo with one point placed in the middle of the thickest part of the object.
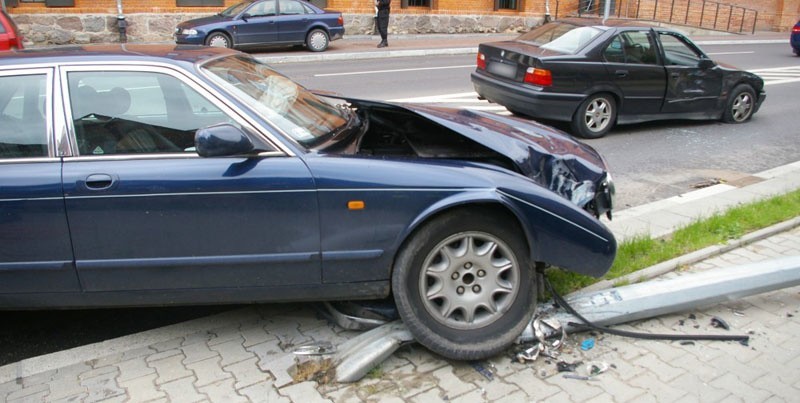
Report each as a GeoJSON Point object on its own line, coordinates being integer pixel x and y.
{"type": "Point", "coordinates": [595, 76]}
{"type": "Point", "coordinates": [252, 24]}
{"type": "Point", "coordinates": [164, 175]}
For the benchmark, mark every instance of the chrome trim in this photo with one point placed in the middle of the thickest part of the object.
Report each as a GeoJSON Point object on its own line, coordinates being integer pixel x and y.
{"type": "Point", "coordinates": [156, 156]}
{"type": "Point", "coordinates": [31, 199]}
{"type": "Point", "coordinates": [29, 160]}
{"type": "Point", "coordinates": [554, 215]}
{"type": "Point", "coordinates": [128, 196]}
{"type": "Point", "coordinates": [215, 97]}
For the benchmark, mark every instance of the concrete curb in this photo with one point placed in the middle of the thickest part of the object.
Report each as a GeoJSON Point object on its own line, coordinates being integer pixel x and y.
{"type": "Point", "coordinates": [693, 257]}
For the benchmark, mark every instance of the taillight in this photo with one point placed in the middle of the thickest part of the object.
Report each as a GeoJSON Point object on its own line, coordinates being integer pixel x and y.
{"type": "Point", "coordinates": [796, 29]}
{"type": "Point", "coordinates": [540, 77]}
{"type": "Point", "coordinates": [481, 62]}
{"type": "Point", "coordinates": [341, 20]}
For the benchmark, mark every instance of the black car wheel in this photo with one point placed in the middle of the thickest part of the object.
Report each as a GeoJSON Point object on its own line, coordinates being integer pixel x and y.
{"type": "Point", "coordinates": [595, 116]}
{"type": "Point", "coordinates": [463, 284]}
{"type": "Point", "coordinates": [741, 104]}
{"type": "Point", "coordinates": [317, 40]}
{"type": "Point", "coordinates": [218, 39]}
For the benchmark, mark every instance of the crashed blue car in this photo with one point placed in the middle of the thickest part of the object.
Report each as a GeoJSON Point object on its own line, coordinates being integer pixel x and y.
{"type": "Point", "coordinates": [162, 175]}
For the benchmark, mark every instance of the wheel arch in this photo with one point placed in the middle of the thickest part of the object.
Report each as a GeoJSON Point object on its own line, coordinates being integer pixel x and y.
{"type": "Point", "coordinates": [488, 202]}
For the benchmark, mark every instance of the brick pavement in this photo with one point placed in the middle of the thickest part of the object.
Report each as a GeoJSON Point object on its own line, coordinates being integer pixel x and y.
{"type": "Point", "coordinates": [245, 357]}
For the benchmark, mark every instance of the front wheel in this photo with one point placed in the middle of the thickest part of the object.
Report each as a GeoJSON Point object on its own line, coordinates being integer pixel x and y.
{"type": "Point", "coordinates": [595, 116]}
{"type": "Point", "coordinates": [219, 40]}
{"type": "Point", "coordinates": [463, 284]}
{"type": "Point", "coordinates": [741, 104]}
{"type": "Point", "coordinates": [317, 40]}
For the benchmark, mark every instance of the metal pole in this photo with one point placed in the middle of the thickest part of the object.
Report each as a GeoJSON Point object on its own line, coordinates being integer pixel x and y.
{"type": "Point", "coordinates": [716, 15]}
{"type": "Point", "coordinates": [686, 16]}
{"type": "Point", "coordinates": [703, 14]}
{"type": "Point", "coordinates": [730, 16]}
{"type": "Point", "coordinates": [755, 20]}
{"type": "Point", "coordinates": [606, 10]}
{"type": "Point", "coordinates": [741, 23]}
{"type": "Point", "coordinates": [671, 9]}
{"type": "Point", "coordinates": [655, 10]}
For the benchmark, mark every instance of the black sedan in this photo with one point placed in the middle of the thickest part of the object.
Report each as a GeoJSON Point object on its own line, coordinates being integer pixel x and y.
{"type": "Point", "coordinates": [170, 174]}
{"type": "Point", "coordinates": [263, 23]}
{"type": "Point", "coordinates": [595, 76]}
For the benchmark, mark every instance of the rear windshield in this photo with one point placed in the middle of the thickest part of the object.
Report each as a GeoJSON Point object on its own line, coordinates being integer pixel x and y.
{"type": "Point", "coordinates": [564, 38]}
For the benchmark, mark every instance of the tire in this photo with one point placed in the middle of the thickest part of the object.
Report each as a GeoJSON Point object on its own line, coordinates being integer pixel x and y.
{"type": "Point", "coordinates": [469, 259]}
{"type": "Point", "coordinates": [219, 39]}
{"type": "Point", "coordinates": [317, 40]}
{"type": "Point", "coordinates": [741, 104]}
{"type": "Point", "coordinates": [595, 116]}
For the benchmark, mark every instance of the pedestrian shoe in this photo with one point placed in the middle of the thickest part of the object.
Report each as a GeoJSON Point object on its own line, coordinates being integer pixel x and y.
{"type": "Point", "coordinates": [383, 45]}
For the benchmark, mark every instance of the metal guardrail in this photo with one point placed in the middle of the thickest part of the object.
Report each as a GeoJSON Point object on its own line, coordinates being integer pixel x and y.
{"type": "Point", "coordinates": [706, 14]}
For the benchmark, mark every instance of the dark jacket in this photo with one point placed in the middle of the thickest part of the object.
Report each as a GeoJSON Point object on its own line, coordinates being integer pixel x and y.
{"type": "Point", "coordinates": [383, 7]}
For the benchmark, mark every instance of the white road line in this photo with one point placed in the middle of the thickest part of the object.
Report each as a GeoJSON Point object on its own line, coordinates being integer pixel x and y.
{"type": "Point", "coordinates": [356, 73]}
{"type": "Point", "coordinates": [729, 53]}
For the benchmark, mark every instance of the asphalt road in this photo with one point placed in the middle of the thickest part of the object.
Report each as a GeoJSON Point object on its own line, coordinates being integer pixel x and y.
{"type": "Point", "coordinates": [649, 161]}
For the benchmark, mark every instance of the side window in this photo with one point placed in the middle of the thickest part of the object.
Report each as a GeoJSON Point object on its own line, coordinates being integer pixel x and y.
{"type": "Point", "coordinates": [613, 52]}
{"type": "Point", "coordinates": [137, 112]}
{"type": "Point", "coordinates": [639, 48]}
{"type": "Point", "coordinates": [262, 9]}
{"type": "Point", "coordinates": [23, 127]}
{"type": "Point", "coordinates": [677, 52]}
{"type": "Point", "coordinates": [291, 7]}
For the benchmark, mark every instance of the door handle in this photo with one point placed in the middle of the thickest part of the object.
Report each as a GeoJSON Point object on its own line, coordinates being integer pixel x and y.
{"type": "Point", "coordinates": [621, 73]}
{"type": "Point", "coordinates": [99, 181]}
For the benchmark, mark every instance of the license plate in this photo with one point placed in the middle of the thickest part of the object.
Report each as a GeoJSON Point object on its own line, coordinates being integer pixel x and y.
{"type": "Point", "coordinates": [502, 69]}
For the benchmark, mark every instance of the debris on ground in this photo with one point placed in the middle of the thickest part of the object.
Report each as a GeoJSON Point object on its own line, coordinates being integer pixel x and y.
{"type": "Point", "coordinates": [564, 366]}
{"type": "Point", "coordinates": [587, 344]}
{"type": "Point", "coordinates": [482, 370]}
{"type": "Point", "coordinates": [719, 323]}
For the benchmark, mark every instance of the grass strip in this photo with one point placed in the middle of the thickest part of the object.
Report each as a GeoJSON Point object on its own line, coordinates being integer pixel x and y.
{"type": "Point", "coordinates": [642, 252]}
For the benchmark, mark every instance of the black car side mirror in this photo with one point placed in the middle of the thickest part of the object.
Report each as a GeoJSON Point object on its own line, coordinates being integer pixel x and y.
{"type": "Point", "coordinates": [222, 140]}
{"type": "Point", "coordinates": [706, 64]}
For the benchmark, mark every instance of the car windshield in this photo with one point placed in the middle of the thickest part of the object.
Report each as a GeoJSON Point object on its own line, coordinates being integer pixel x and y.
{"type": "Point", "coordinates": [306, 118]}
{"type": "Point", "coordinates": [564, 38]}
{"type": "Point", "coordinates": [235, 9]}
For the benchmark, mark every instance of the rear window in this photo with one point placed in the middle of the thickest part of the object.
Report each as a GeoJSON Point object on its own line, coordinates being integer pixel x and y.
{"type": "Point", "coordinates": [564, 38]}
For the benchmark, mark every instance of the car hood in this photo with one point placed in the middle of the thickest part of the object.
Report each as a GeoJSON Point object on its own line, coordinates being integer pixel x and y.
{"type": "Point", "coordinates": [197, 22]}
{"type": "Point", "coordinates": [546, 155]}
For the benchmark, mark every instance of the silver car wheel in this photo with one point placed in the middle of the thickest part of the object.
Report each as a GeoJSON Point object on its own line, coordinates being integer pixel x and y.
{"type": "Point", "coordinates": [218, 41]}
{"type": "Point", "coordinates": [317, 40]}
{"type": "Point", "coordinates": [598, 115]}
{"type": "Point", "coordinates": [469, 280]}
{"type": "Point", "coordinates": [742, 107]}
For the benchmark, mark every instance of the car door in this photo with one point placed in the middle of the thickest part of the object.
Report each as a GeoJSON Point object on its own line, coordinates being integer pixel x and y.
{"type": "Point", "coordinates": [633, 66]}
{"type": "Point", "coordinates": [35, 250]}
{"type": "Point", "coordinates": [293, 21]}
{"type": "Point", "coordinates": [257, 25]}
{"type": "Point", "coordinates": [147, 213]}
{"type": "Point", "coordinates": [691, 86]}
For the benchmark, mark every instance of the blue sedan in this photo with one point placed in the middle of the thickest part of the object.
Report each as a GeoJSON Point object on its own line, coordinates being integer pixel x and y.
{"type": "Point", "coordinates": [795, 38]}
{"type": "Point", "coordinates": [163, 175]}
{"type": "Point", "coordinates": [265, 23]}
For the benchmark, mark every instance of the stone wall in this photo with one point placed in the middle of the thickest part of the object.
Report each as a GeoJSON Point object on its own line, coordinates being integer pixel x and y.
{"type": "Point", "coordinates": [56, 29]}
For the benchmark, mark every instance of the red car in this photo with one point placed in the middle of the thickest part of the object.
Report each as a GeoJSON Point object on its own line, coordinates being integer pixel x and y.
{"type": "Point", "coordinates": [10, 38]}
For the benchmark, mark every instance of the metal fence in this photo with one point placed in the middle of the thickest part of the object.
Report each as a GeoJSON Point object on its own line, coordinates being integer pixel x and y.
{"type": "Point", "coordinates": [696, 13]}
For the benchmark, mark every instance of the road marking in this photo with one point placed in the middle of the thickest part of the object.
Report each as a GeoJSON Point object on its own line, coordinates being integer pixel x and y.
{"type": "Point", "coordinates": [356, 73]}
{"type": "Point", "coordinates": [779, 75]}
{"type": "Point", "coordinates": [729, 53]}
{"type": "Point", "coordinates": [463, 100]}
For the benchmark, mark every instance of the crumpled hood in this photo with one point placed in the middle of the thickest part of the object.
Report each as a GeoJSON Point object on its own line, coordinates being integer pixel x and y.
{"type": "Point", "coordinates": [546, 155]}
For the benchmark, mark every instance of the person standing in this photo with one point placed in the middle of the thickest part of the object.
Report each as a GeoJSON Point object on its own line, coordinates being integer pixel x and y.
{"type": "Point", "coordinates": [383, 20]}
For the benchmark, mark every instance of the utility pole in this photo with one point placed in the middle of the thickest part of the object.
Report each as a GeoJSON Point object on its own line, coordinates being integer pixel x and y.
{"type": "Point", "coordinates": [606, 10]}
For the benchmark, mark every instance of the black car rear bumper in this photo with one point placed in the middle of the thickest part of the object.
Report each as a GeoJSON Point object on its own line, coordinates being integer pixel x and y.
{"type": "Point", "coordinates": [527, 100]}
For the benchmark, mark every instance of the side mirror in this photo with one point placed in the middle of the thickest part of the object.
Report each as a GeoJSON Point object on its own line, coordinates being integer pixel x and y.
{"type": "Point", "coordinates": [706, 64]}
{"type": "Point", "coordinates": [222, 140]}
{"type": "Point", "coordinates": [246, 16]}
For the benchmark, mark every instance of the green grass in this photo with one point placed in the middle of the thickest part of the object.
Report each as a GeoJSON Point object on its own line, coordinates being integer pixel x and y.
{"type": "Point", "coordinates": [641, 252]}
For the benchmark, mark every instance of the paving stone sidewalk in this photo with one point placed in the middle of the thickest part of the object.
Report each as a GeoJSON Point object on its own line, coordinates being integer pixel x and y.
{"type": "Point", "coordinates": [245, 355]}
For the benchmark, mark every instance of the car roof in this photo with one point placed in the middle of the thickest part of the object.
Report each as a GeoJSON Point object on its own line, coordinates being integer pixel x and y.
{"type": "Point", "coordinates": [164, 53]}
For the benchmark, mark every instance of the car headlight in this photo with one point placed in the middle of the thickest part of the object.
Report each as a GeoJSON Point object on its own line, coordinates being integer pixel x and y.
{"type": "Point", "coordinates": [187, 31]}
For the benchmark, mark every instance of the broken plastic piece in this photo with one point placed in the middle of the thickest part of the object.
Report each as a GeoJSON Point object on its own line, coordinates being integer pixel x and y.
{"type": "Point", "coordinates": [482, 370]}
{"type": "Point", "coordinates": [596, 367]}
{"type": "Point", "coordinates": [587, 344]}
{"type": "Point", "coordinates": [564, 366]}
{"type": "Point", "coordinates": [719, 323]}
